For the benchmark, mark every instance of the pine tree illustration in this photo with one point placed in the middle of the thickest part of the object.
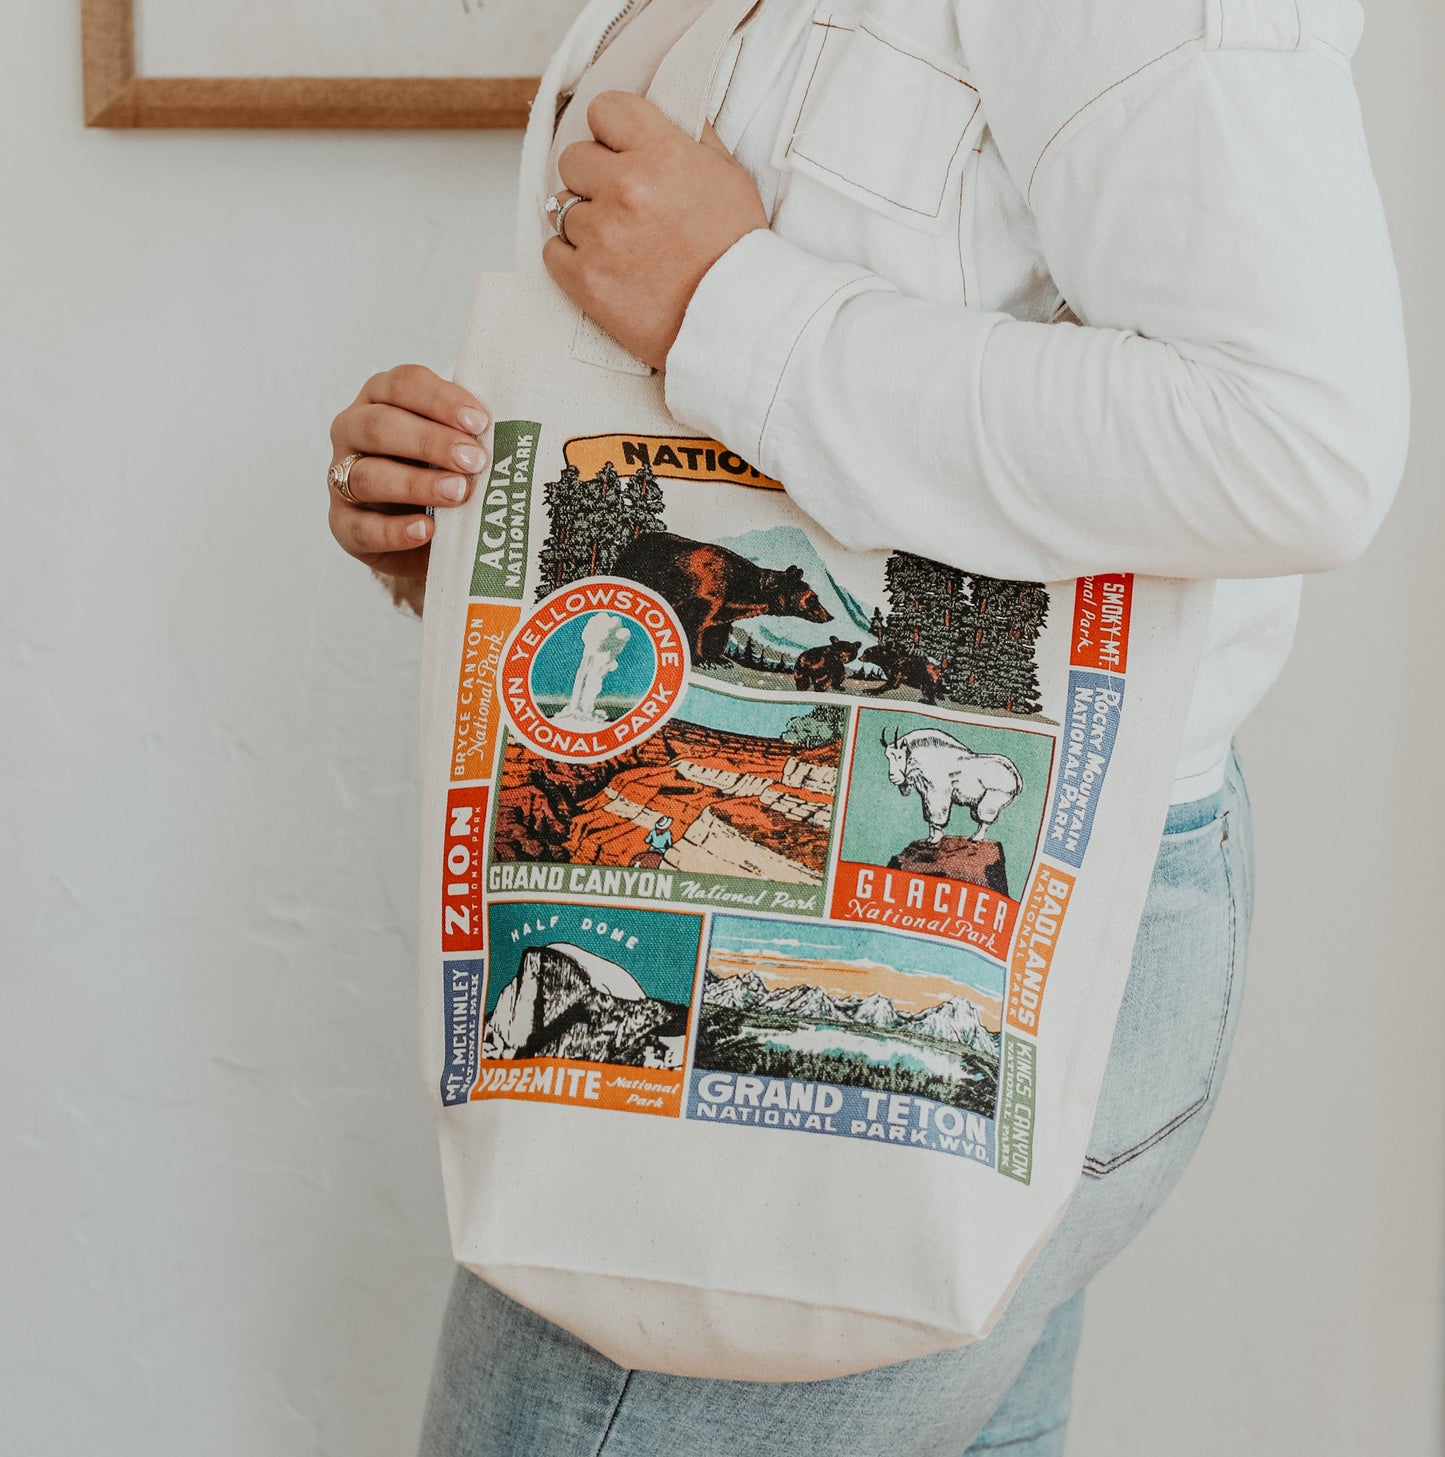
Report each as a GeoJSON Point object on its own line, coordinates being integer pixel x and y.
{"type": "Point", "coordinates": [604, 524]}
{"type": "Point", "coordinates": [981, 630]}
{"type": "Point", "coordinates": [998, 669]}
{"type": "Point", "coordinates": [562, 499]}
{"type": "Point", "coordinates": [644, 503]}
{"type": "Point", "coordinates": [592, 521]}
{"type": "Point", "coordinates": [927, 602]}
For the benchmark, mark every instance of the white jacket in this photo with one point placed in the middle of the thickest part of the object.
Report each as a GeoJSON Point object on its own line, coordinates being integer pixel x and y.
{"type": "Point", "coordinates": [1190, 176]}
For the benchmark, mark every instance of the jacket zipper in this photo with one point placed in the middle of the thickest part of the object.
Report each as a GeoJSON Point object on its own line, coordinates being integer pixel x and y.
{"type": "Point", "coordinates": [612, 29]}
{"type": "Point", "coordinates": [608, 36]}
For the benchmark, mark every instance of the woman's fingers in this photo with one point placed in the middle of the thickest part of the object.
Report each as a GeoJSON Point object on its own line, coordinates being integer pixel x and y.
{"type": "Point", "coordinates": [383, 429]}
{"type": "Point", "coordinates": [587, 169]}
{"type": "Point", "coordinates": [366, 534]}
{"type": "Point", "coordinates": [417, 438]}
{"type": "Point", "coordinates": [377, 480]}
{"type": "Point", "coordinates": [420, 390]}
{"type": "Point", "coordinates": [621, 121]}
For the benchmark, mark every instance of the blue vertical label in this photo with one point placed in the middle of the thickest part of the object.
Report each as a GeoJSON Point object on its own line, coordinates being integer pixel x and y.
{"type": "Point", "coordinates": [1095, 702]}
{"type": "Point", "coordinates": [462, 1010]}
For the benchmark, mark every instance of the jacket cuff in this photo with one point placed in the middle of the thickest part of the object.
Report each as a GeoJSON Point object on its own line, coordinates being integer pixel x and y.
{"type": "Point", "coordinates": [740, 332]}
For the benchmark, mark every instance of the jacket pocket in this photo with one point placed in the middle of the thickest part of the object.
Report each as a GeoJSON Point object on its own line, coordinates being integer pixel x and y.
{"type": "Point", "coordinates": [882, 121]}
{"type": "Point", "coordinates": [1253, 25]}
{"type": "Point", "coordinates": [1172, 1035]}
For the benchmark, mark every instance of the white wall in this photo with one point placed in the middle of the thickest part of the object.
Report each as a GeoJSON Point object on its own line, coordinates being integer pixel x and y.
{"type": "Point", "coordinates": [221, 1227]}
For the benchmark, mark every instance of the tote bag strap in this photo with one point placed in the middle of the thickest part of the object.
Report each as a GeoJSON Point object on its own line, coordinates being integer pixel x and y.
{"type": "Point", "coordinates": [683, 84]}
{"type": "Point", "coordinates": [681, 90]}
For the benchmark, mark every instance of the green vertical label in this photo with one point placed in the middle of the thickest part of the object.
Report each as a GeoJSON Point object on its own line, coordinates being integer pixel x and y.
{"type": "Point", "coordinates": [500, 570]}
{"type": "Point", "coordinates": [1016, 1109]}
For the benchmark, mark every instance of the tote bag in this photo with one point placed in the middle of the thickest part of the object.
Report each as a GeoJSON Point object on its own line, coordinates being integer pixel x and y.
{"type": "Point", "coordinates": [778, 899]}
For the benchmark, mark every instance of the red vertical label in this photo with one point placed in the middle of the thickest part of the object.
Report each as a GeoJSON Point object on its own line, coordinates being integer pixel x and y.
{"type": "Point", "coordinates": [1102, 608]}
{"type": "Point", "coordinates": [466, 828]}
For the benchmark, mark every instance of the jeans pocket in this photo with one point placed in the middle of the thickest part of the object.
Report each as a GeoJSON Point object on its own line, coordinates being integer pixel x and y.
{"type": "Point", "coordinates": [1175, 1021]}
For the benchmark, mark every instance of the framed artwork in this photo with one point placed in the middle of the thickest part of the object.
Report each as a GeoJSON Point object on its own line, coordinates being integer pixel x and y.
{"type": "Point", "coordinates": [317, 63]}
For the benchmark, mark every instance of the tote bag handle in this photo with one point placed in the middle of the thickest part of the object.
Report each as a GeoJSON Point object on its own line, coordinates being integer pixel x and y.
{"type": "Point", "coordinates": [684, 81]}
{"type": "Point", "coordinates": [681, 90]}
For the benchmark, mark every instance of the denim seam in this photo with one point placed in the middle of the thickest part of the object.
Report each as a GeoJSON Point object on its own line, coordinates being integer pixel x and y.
{"type": "Point", "coordinates": [612, 1418]}
{"type": "Point", "coordinates": [1097, 1168]}
{"type": "Point", "coordinates": [1030, 1436]}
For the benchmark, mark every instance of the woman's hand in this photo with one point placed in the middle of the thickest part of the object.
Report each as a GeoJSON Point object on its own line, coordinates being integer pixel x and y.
{"type": "Point", "coordinates": [661, 209]}
{"type": "Point", "coordinates": [417, 438]}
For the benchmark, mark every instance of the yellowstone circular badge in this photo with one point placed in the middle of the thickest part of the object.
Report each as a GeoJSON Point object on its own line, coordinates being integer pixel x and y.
{"type": "Point", "coordinates": [599, 666]}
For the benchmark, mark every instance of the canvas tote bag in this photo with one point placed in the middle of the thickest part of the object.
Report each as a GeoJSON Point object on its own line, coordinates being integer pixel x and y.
{"type": "Point", "coordinates": [778, 899]}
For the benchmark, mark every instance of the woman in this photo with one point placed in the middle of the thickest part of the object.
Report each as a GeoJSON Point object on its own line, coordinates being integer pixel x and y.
{"type": "Point", "coordinates": [855, 280]}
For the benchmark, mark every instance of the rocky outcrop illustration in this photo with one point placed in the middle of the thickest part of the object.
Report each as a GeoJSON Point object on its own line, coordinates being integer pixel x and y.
{"type": "Point", "coordinates": [978, 862]}
{"type": "Point", "coordinates": [566, 1002]}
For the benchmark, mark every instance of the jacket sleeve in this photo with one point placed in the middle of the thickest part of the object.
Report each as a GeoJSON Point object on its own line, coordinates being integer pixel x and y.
{"type": "Point", "coordinates": [1236, 403]}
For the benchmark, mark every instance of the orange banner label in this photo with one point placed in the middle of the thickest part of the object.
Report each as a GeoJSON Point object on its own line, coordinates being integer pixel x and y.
{"type": "Point", "coordinates": [932, 905]}
{"type": "Point", "coordinates": [583, 1084]}
{"type": "Point", "coordinates": [1040, 919]}
{"type": "Point", "coordinates": [1102, 608]}
{"type": "Point", "coordinates": [677, 457]}
{"type": "Point", "coordinates": [478, 706]}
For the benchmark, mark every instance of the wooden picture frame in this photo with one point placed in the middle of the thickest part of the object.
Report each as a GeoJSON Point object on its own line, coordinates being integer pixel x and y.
{"type": "Point", "coordinates": [115, 96]}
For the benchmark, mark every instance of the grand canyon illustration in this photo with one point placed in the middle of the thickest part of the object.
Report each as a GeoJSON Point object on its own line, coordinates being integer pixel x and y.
{"type": "Point", "coordinates": [693, 798]}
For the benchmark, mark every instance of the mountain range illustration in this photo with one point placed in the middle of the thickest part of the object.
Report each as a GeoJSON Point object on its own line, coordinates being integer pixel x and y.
{"type": "Point", "coordinates": [567, 1002]}
{"type": "Point", "coordinates": [778, 548]}
{"type": "Point", "coordinates": [955, 1019]}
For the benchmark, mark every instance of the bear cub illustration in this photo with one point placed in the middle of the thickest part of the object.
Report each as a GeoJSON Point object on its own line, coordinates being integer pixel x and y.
{"type": "Point", "coordinates": [710, 588]}
{"type": "Point", "coordinates": [823, 670]}
{"type": "Point", "coordinates": [911, 668]}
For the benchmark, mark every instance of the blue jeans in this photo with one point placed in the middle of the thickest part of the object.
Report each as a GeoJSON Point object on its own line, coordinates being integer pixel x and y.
{"type": "Point", "coordinates": [509, 1384]}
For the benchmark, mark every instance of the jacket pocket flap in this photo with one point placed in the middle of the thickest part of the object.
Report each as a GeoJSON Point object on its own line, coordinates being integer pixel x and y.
{"type": "Point", "coordinates": [881, 121]}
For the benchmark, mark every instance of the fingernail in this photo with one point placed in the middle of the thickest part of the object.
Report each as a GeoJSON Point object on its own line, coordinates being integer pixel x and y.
{"type": "Point", "coordinates": [419, 530]}
{"type": "Point", "coordinates": [473, 421]}
{"type": "Point", "coordinates": [469, 457]}
{"type": "Point", "coordinates": [452, 488]}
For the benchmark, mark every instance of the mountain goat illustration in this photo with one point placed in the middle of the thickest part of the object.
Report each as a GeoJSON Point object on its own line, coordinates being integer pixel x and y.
{"type": "Point", "coordinates": [945, 773]}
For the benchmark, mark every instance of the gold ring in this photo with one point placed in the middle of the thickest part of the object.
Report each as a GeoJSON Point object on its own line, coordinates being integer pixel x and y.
{"type": "Point", "coordinates": [339, 479]}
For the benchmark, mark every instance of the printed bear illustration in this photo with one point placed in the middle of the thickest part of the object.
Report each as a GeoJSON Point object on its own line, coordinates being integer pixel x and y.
{"type": "Point", "coordinates": [901, 668]}
{"type": "Point", "coordinates": [710, 588]}
{"type": "Point", "coordinates": [823, 670]}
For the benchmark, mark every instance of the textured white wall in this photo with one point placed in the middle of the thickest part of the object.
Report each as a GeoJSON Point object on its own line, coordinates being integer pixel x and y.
{"type": "Point", "coordinates": [221, 1228]}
